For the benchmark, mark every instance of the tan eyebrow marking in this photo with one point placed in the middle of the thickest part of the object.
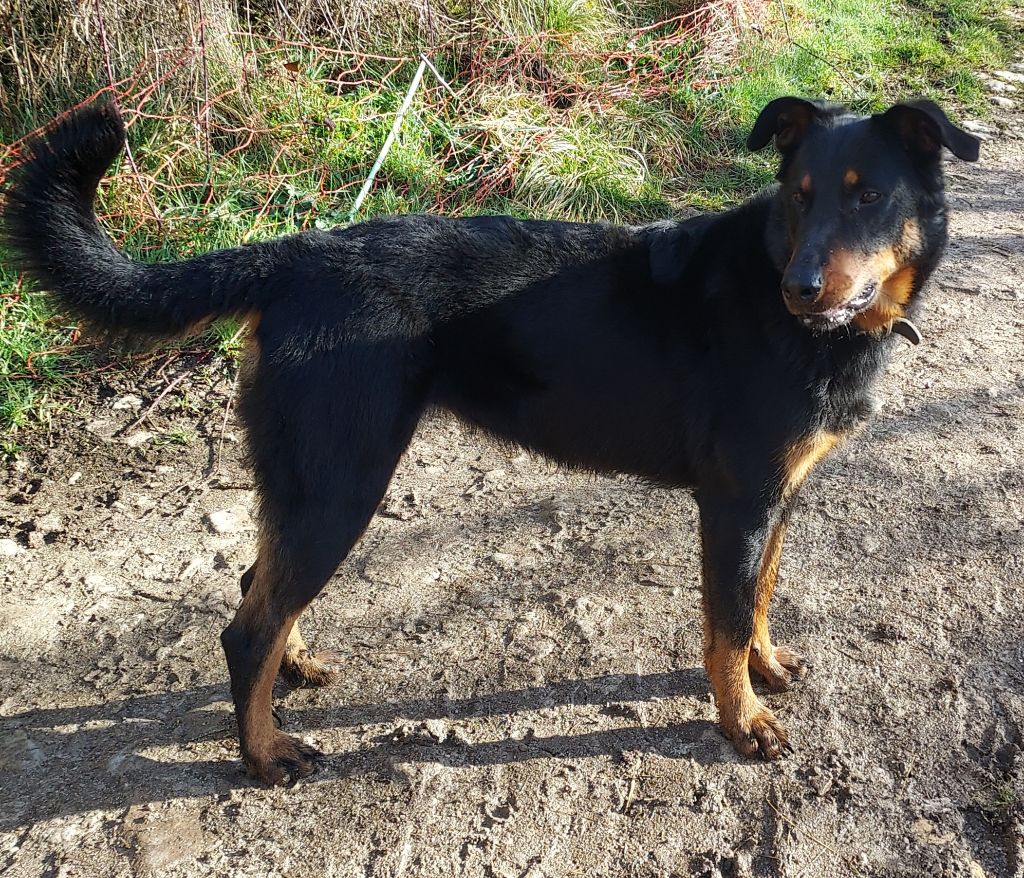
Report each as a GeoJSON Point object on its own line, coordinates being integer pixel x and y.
{"type": "Point", "coordinates": [805, 183]}
{"type": "Point", "coordinates": [851, 177]}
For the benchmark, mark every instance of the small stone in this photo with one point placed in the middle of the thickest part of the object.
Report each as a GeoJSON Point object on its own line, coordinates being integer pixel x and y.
{"type": "Point", "coordinates": [928, 832]}
{"type": "Point", "coordinates": [137, 439]}
{"type": "Point", "coordinates": [95, 582]}
{"type": "Point", "coordinates": [1001, 101]}
{"type": "Point", "coordinates": [50, 523]}
{"type": "Point", "coordinates": [9, 548]}
{"type": "Point", "coordinates": [404, 508]}
{"type": "Point", "coordinates": [35, 540]}
{"type": "Point", "coordinates": [994, 85]}
{"type": "Point", "coordinates": [120, 762]}
{"type": "Point", "coordinates": [504, 560]}
{"type": "Point", "coordinates": [103, 428]}
{"type": "Point", "coordinates": [870, 544]}
{"type": "Point", "coordinates": [541, 649]}
{"type": "Point", "coordinates": [143, 502]}
{"type": "Point", "coordinates": [217, 601]}
{"type": "Point", "coordinates": [18, 752]}
{"type": "Point", "coordinates": [208, 719]}
{"type": "Point", "coordinates": [226, 521]}
{"type": "Point", "coordinates": [76, 478]}
{"type": "Point", "coordinates": [192, 568]}
{"type": "Point", "coordinates": [437, 729]}
{"type": "Point", "coordinates": [1008, 75]}
{"type": "Point", "coordinates": [129, 401]}
{"type": "Point", "coordinates": [978, 129]}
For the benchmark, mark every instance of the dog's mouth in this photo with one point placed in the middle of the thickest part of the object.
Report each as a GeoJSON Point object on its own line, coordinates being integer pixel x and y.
{"type": "Point", "coordinates": [838, 316]}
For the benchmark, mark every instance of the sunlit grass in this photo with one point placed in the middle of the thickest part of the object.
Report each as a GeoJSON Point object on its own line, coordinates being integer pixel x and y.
{"type": "Point", "coordinates": [570, 114]}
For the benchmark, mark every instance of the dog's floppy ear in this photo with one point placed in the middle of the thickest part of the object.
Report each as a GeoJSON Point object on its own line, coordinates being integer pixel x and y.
{"type": "Point", "coordinates": [787, 120]}
{"type": "Point", "coordinates": [924, 130]}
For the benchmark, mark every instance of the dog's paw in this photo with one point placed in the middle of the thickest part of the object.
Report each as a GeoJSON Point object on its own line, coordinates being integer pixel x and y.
{"type": "Point", "coordinates": [283, 760]}
{"type": "Point", "coordinates": [781, 668]}
{"type": "Point", "coordinates": [759, 734]}
{"type": "Point", "coordinates": [305, 668]}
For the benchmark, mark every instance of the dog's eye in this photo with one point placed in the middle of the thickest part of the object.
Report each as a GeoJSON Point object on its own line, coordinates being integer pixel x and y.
{"type": "Point", "coordinates": [869, 196]}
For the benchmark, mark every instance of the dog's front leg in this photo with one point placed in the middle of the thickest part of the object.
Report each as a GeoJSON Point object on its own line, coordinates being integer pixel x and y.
{"type": "Point", "coordinates": [741, 541]}
{"type": "Point", "coordinates": [779, 666]}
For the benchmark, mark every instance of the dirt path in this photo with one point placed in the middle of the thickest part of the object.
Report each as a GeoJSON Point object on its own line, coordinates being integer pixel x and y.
{"type": "Point", "coordinates": [523, 694]}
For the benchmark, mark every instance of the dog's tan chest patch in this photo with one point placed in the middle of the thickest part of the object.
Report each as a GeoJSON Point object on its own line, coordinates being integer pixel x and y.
{"type": "Point", "coordinates": [801, 457]}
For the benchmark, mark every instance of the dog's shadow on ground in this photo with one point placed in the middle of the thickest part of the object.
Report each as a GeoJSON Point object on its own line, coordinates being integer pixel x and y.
{"type": "Point", "coordinates": [68, 760]}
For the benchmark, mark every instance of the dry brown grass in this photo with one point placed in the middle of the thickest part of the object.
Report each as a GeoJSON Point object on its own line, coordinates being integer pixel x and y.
{"type": "Point", "coordinates": [53, 50]}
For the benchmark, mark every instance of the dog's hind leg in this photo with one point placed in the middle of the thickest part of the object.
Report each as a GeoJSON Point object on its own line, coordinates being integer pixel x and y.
{"type": "Point", "coordinates": [300, 666]}
{"type": "Point", "coordinates": [324, 441]}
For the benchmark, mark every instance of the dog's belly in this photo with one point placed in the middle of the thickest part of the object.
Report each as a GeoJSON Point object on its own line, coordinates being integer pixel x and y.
{"type": "Point", "coordinates": [599, 437]}
{"type": "Point", "coordinates": [610, 409]}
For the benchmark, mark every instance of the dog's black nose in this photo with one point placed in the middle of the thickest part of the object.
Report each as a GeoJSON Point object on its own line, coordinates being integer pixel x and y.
{"type": "Point", "coordinates": [803, 288]}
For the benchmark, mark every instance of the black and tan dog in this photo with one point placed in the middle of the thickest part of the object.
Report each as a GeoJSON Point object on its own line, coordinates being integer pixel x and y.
{"type": "Point", "coordinates": [726, 354]}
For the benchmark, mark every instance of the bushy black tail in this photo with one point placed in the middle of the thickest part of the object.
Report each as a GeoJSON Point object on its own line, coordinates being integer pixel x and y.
{"type": "Point", "coordinates": [50, 226]}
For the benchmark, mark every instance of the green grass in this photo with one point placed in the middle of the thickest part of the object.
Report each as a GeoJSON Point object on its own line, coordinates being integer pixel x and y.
{"type": "Point", "coordinates": [574, 116]}
{"type": "Point", "coordinates": [36, 358]}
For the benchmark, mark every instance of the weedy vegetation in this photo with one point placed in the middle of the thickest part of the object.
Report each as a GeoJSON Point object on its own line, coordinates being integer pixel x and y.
{"type": "Point", "coordinates": [247, 121]}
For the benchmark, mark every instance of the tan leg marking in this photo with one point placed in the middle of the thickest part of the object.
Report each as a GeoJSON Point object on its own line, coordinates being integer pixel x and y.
{"type": "Point", "coordinates": [300, 666]}
{"type": "Point", "coordinates": [750, 725]}
{"type": "Point", "coordinates": [778, 666]}
{"type": "Point", "coordinates": [272, 756]}
{"type": "Point", "coordinates": [801, 457]}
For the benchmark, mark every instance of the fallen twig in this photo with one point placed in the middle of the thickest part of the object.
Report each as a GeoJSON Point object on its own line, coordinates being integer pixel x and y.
{"type": "Point", "coordinates": [163, 393]}
{"type": "Point", "coordinates": [413, 86]}
{"type": "Point", "coordinates": [796, 828]}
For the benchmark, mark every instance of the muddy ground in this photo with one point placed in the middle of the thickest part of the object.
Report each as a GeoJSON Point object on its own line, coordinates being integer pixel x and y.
{"type": "Point", "coordinates": [522, 693]}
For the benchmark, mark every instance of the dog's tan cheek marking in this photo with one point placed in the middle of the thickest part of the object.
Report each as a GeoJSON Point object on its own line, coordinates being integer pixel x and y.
{"type": "Point", "coordinates": [897, 277]}
{"type": "Point", "coordinates": [851, 178]}
{"type": "Point", "coordinates": [899, 286]}
{"type": "Point", "coordinates": [910, 239]}
{"type": "Point", "coordinates": [892, 302]}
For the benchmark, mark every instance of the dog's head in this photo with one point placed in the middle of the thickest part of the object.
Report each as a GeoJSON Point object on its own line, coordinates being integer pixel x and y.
{"type": "Point", "coordinates": [862, 203]}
